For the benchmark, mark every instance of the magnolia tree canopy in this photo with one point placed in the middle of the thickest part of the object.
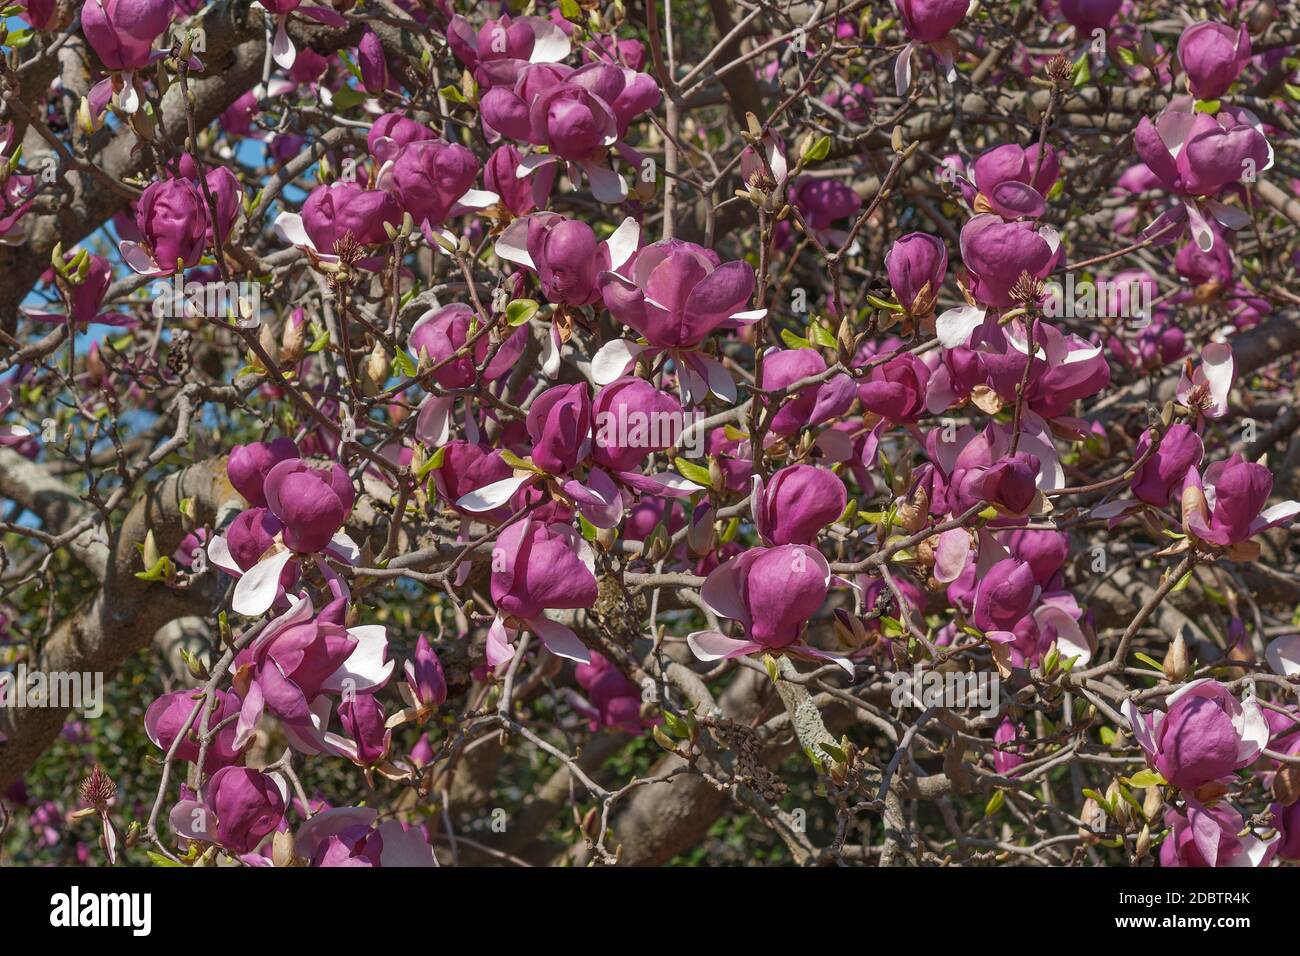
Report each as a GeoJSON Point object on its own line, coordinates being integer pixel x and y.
{"type": "Point", "coordinates": [446, 433]}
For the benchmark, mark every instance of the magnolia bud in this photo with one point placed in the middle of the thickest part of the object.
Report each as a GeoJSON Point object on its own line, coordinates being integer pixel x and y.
{"type": "Point", "coordinates": [293, 340]}
{"type": "Point", "coordinates": [1175, 663]}
{"type": "Point", "coordinates": [1152, 803]}
{"type": "Point", "coordinates": [701, 536]}
{"type": "Point", "coordinates": [375, 372]}
{"type": "Point", "coordinates": [282, 849]}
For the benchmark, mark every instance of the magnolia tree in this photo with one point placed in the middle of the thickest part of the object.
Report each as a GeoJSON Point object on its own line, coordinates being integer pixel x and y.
{"type": "Point", "coordinates": [608, 432]}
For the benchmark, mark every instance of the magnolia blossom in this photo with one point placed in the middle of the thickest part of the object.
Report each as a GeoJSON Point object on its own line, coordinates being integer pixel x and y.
{"type": "Point", "coordinates": [295, 664]}
{"type": "Point", "coordinates": [10, 434]}
{"type": "Point", "coordinates": [305, 510]}
{"type": "Point", "coordinates": [353, 836]}
{"type": "Point", "coordinates": [578, 115]}
{"type": "Point", "coordinates": [928, 23]}
{"type": "Point", "coordinates": [996, 254]}
{"type": "Point", "coordinates": [675, 294]}
{"type": "Point", "coordinates": [1205, 734]}
{"type": "Point", "coordinates": [1196, 156]}
{"type": "Point", "coordinates": [1213, 56]}
{"type": "Point", "coordinates": [1224, 507]}
{"type": "Point", "coordinates": [771, 593]}
{"type": "Point", "coordinates": [239, 809]}
{"type": "Point", "coordinates": [122, 34]}
{"type": "Point", "coordinates": [538, 568]}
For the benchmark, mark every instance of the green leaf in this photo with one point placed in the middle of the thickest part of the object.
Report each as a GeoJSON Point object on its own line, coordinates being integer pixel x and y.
{"type": "Point", "coordinates": [820, 335]}
{"type": "Point", "coordinates": [520, 311]}
{"type": "Point", "coordinates": [818, 150]}
{"type": "Point", "coordinates": [570, 10]}
{"type": "Point", "coordinates": [434, 462]}
{"type": "Point", "coordinates": [836, 754]}
{"type": "Point", "coordinates": [1107, 736]}
{"type": "Point", "coordinates": [322, 339]}
{"type": "Point", "coordinates": [793, 341]}
{"type": "Point", "coordinates": [453, 93]}
{"type": "Point", "coordinates": [1206, 106]}
{"type": "Point", "coordinates": [880, 303]}
{"type": "Point", "coordinates": [403, 365]}
{"type": "Point", "coordinates": [676, 726]}
{"type": "Point", "coordinates": [1149, 661]}
{"type": "Point", "coordinates": [159, 860]}
{"type": "Point", "coordinates": [693, 472]}
{"type": "Point", "coordinates": [161, 569]}
{"type": "Point", "coordinates": [1082, 71]}
{"type": "Point", "coordinates": [514, 461]}
{"type": "Point", "coordinates": [1127, 56]}
{"type": "Point", "coordinates": [995, 803]}
{"type": "Point", "coordinates": [770, 665]}
{"type": "Point", "coordinates": [349, 97]}
{"type": "Point", "coordinates": [1146, 778]}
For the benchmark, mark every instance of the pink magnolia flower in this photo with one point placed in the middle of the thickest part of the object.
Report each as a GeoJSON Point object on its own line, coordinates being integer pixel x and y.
{"type": "Point", "coordinates": [536, 568]}
{"type": "Point", "coordinates": [433, 180]}
{"type": "Point", "coordinates": [339, 211]}
{"type": "Point", "coordinates": [502, 48]}
{"type": "Point", "coordinates": [10, 434]}
{"type": "Point", "coordinates": [996, 254]}
{"type": "Point", "coordinates": [771, 593]}
{"type": "Point", "coordinates": [1205, 388]}
{"type": "Point", "coordinates": [1179, 453]}
{"type": "Point", "coordinates": [916, 265]}
{"type": "Point", "coordinates": [122, 34]}
{"type": "Point", "coordinates": [1204, 735]}
{"type": "Point", "coordinates": [1089, 15]}
{"type": "Point", "coordinates": [566, 255]}
{"type": "Point", "coordinates": [928, 23]}
{"type": "Point", "coordinates": [371, 63]}
{"type": "Point", "coordinates": [675, 294]}
{"type": "Point", "coordinates": [1196, 156]}
{"type": "Point", "coordinates": [393, 131]}
{"type": "Point", "coordinates": [87, 298]}
{"type": "Point", "coordinates": [165, 717]}
{"type": "Point", "coordinates": [633, 420]}
{"type": "Point", "coordinates": [283, 50]}
{"type": "Point", "coordinates": [796, 504]}
{"type": "Point", "coordinates": [171, 216]}
{"type": "Point", "coordinates": [352, 836]}
{"type": "Point", "coordinates": [1005, 594]}
{"type": "Point", "coordinates": [519, 194]}
{"type": "Point", "coordinates": [1006, 761]}
{"type": "Point", "coordinates": [297, 661]}
{"type": "Point", "coordinates": [240, 808]}
{"type": "Point", "coordinates": [821, 202]}
{"type": "Point", "coordinates": [442, 332]}
{"type": "Point", "coordinates": [811, 405]}
{"type": "Point", "coordinates": [306, 508]}
{"type": "Point", "coordinates": [1213, 56]}
{"type": "Point", "coordinates": [896, 389]}
{"type": "Point", "coordinates": [248, 465]}
{"type": "Point", "coordinates": [368, 740]}
{"type": "Point", "coordinates": [578, 115]}
{"type": "Point", "coordinates": [1207, 837]}
{"type": "Point", "coordinates": [612, 701]}
{"type": "Point", "coordinates": [425, 689]}
{"type": "Point", "coordinates": [1225, 506]}
{"type": "Point", "coordinates": [1013, 181]}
